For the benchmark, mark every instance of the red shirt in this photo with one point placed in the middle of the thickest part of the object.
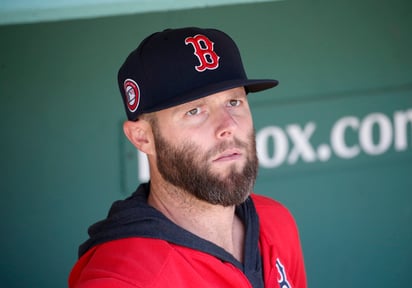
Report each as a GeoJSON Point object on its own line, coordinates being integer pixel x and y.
{"type": "Point", "coordinates": [151, 263]}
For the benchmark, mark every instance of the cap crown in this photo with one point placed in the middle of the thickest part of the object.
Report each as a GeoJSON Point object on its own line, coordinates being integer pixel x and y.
{"type": "Point", "coordinates": [179, 65]}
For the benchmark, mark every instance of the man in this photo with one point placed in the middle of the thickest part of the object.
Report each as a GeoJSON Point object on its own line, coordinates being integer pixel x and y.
{"type": "Point", "coordinates": [196, 223]}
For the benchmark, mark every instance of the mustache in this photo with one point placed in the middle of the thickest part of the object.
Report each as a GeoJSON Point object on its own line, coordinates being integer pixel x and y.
{"type": "Point", "coordinates": [221, 147]}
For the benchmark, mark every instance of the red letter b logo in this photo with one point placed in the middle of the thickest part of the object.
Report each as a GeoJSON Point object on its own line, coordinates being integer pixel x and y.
{"type": "Point", "coordinates": [204, 51]}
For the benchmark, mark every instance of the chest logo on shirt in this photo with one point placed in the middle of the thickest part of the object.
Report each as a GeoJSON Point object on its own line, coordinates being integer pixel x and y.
{"type": "Point", "coordinates": [282, 279]}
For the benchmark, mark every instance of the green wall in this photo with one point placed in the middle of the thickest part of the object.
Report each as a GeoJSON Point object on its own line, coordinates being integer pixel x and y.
{"type": "Point", "coordinates": [335, 137]}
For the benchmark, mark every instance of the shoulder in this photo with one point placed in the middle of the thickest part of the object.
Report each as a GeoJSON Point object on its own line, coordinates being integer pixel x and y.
{"type": "Point", "coordinates": [135, 261]}
{"type": "Point", "coordinates": [266, 205]}
{"type": "Point", "coordinates": [274, 217]}
{"type": "Point", "coordinates": [150, 263]}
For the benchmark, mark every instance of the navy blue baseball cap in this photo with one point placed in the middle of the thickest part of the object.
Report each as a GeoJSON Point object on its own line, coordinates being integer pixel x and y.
{"type": "Point", "coordinates": [176, 66]}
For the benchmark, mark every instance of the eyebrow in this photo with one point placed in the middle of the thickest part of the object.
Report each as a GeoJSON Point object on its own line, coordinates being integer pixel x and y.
{"type": "Point", "coordinates": [188, 105]}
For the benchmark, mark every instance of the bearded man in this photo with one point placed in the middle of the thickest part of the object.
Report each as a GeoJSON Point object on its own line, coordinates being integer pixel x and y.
{"type": "Point", "coordinates": [196, 223]}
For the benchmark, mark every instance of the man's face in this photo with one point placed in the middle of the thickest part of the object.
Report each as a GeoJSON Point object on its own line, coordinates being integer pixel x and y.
{"type": "Point", "coordinates": [207, 147]}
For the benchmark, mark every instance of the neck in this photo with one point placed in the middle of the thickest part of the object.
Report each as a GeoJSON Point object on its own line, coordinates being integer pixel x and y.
{"type": "Point", "coordinates": [214, 223]}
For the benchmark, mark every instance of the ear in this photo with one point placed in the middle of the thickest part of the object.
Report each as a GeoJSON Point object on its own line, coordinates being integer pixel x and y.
{"type": "Point", "coordinates": [140, 135]}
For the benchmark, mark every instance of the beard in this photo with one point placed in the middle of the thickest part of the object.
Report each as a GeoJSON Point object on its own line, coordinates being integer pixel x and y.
{"type": "Point", "coordinates": [186, 168]}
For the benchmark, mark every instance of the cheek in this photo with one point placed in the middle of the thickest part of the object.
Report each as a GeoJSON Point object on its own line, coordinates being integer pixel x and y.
{"type": "Point", "coordinates": [197, 140]}
{"type": "Point", "coordinates": [246, 124]}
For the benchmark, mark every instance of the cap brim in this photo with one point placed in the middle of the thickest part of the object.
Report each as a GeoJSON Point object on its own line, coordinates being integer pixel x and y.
{"type": "Point", "coordinates": [260, 85]}
{"type": "Point", "coordinates": [250, 86]}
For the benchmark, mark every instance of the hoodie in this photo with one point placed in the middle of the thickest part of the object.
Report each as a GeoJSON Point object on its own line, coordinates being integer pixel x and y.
{"type": "Point", "coordinates": [137, 246]}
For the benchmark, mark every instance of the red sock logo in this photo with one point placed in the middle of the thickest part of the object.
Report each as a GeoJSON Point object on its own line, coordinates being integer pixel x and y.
{"type": "Point", "coordinates": [282, 280]}
{"type": "Point", "coordinates": [204, 51]}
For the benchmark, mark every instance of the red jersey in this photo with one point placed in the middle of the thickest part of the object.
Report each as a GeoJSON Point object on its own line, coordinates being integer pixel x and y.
{"type": "Point", "coordinates": [119, 255]}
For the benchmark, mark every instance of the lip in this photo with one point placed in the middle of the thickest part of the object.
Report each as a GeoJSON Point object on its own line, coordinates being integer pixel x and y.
{"type": "Point", "coordinates": [228, 155]}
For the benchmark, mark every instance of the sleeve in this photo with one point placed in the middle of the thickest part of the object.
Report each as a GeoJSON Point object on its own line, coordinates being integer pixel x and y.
{"type": "Point", "coordinates": [92, 272]}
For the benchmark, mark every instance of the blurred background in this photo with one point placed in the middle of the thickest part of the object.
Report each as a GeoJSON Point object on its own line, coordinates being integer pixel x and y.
{"type": "Point", "coordinates": [334, 138]}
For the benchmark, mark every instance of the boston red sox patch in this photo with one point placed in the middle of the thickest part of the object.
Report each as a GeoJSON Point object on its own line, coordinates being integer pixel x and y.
{"type": "Point", "coordinates": [132, 93]}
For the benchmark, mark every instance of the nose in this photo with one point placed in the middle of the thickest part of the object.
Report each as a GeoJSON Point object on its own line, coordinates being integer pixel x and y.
{"type": "Point", "coordinates": [225, 124]}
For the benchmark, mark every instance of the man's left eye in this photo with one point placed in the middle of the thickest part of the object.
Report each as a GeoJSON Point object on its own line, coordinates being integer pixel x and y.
{"type": "Point", "coordinates": [193, 112]}
{"type": "Point", "coordinates": [234, 102]}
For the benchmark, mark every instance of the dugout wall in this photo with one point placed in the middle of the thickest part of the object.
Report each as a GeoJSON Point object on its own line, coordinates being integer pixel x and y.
{"type": "Point", "coordinates": [334, 139]}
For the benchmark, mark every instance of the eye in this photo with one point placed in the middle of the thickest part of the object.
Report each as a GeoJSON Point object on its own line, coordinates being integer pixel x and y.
{"type": "Point", "coordinates": [234, 102]}
{"type": "Point", "coordinates": [193, 112]}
